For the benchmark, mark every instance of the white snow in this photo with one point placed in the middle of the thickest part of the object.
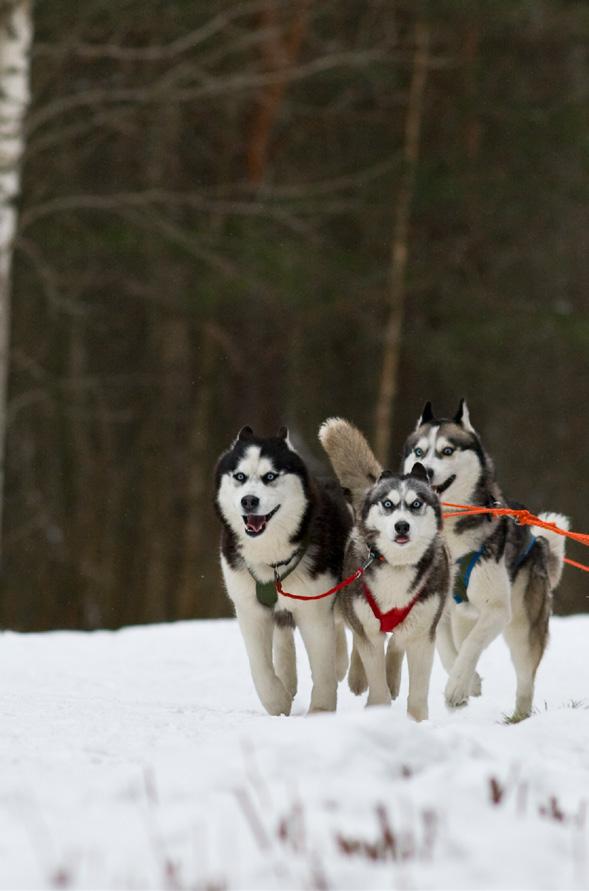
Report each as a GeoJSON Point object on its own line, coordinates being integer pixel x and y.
{"type": "Point", "coordinates": [142, 759]}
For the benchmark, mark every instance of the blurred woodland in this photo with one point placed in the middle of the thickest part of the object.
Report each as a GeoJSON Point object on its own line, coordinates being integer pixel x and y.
{"type": "Point", "coordinates": [271, 211]}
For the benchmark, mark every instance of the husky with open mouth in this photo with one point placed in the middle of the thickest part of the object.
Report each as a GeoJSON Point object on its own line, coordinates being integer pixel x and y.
{"type": "Point", "coordinates": [506, 573]}
{"type": "Point", "coordinates": [278, 522]}
{"type": "Point", "coordinates": [398, 538]}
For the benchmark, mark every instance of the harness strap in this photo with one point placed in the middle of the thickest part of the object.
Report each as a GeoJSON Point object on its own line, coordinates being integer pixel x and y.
{"type": "Point", "coordinates": [466, 563]}
{"type": "Point", "coordinates": [391, 619]}
{"type": "Point", "coordinates": [266, 592]}
{"type": "Point", "coordinates": [526, 550]}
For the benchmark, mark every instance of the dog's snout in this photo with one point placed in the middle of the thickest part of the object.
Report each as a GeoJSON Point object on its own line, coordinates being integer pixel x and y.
{"type": "Point", "coordinates": [250, 503]}
{"type": "Point", "coordinates": [401, 527]}
{"type": "Point", "coordinates": [430, 473]}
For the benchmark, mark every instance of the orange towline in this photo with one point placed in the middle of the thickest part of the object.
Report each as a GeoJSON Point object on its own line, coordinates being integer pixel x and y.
{"type": "Point", "coordinates": [522, 516]}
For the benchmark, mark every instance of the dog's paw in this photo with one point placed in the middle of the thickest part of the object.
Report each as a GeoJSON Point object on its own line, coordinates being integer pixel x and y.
{"type": "Point", "coordinates": [383, 698]}
{"type": "Point", "coordinates": [357, 681]}
{"type": "Point", "coordinates": [277, 700]}
{"type": "Point", "coordinates": [418, 713]}
{"type": "Point", "coordinates": [289, 682]}
{"type": "Point", "coordinates": [476, 685]}
{"type": "Point", "coordinates": [322, 705]}
{"type": "Point", "coordinates": [323, 698]}
{"type": "Point", "coordinates": [456, 693]}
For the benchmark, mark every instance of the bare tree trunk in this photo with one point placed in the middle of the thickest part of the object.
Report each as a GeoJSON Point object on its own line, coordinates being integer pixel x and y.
{"type": "Point", "coordinates": [281, 53]}
{"type": "Point", "coordinates": [392, 335]}
{"type": "Point", "coordinates": [16, 29]}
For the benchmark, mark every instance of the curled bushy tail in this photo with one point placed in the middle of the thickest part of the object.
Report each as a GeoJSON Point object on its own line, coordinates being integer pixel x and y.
{"type": "Point", "coordinates": [352, 458]}
{"type": "Point", "coordinates": [556, 545]}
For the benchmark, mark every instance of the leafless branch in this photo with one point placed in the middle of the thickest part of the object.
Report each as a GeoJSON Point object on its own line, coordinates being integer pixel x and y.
{"type": "Point", "coordinates": [208, 87]}
{"type": "Point", "coordinates": [156, 53]}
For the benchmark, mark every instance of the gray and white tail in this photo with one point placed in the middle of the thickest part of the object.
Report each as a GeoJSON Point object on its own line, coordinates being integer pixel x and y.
{"type": "Point", "coordinates": [352, 458]}
{"type": "Point", "coordinates": [556, 545]}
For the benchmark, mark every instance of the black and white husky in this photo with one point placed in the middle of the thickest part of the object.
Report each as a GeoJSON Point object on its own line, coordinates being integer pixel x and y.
{"type": "Point", "coordinates": [408, 576]}
{"type": "Point", "coordinates": [506, 573]}
{"type": "Point", "coordinates": [279, 522]}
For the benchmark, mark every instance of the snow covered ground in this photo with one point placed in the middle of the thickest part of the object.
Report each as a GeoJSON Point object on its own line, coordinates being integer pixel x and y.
{"type": "Point", "coordinates": [142, 759]}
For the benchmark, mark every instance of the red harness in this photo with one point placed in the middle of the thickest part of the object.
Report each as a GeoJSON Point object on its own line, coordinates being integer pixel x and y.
{"type": "Point", "coordinates": [389, 621]}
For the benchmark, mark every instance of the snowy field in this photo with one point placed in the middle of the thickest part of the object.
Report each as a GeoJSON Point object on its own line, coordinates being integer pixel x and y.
{"type": "Point", "coordinates": [142, 759]}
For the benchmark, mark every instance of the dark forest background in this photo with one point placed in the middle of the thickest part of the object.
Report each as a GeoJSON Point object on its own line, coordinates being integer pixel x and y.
{"type": "Point", "coordinates": [218, 198]}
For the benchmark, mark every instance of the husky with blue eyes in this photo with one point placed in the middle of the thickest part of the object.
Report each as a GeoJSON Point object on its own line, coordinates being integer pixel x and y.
{"type": "Point", "coordinates": [279, 523]}
{"type": "Point", "coordinates": [505, 573]}
{"type": "Point", "coordinates": [407, 571]}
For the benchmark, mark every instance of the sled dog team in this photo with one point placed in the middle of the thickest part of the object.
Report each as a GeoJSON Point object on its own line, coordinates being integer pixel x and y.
{"type": "Point", "coordinates": [425, 582]}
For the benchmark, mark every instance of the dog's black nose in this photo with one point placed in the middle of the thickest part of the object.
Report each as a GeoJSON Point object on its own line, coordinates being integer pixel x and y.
{"type": "Point", "coordinates": [401, 527]}
{"type": "Point", "coordinates": [250, 503]}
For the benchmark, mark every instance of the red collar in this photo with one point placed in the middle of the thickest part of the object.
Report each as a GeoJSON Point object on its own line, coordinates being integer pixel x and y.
{"type": "Point", "coordinates": [389, 621]}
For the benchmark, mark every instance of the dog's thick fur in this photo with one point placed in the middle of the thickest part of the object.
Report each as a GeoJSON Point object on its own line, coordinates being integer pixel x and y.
{"type": "Point", "coordinates": [399, 518]}
{"type": "Point", "coordinates": [275, 514]}
{"type": "Point", "coordinates": [510, 588]}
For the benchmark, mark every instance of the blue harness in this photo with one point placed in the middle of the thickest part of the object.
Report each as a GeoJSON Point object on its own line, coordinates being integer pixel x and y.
{"type": "Point", "coordinates": [468, 562]}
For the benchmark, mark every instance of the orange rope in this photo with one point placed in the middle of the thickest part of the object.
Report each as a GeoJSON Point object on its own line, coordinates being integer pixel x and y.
{"type": "Point", "coordinates": [576, 565]}
{"type": "Point", "coordinates": [524, 517]}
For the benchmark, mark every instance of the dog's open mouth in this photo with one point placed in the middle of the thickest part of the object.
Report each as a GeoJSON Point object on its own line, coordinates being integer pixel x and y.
{"type": "Point", "coordinates": [255, 524]}
{"type": "Point", "coordinates": [445, 485]}
{"type": "Point", "coordinates": [401, 539]}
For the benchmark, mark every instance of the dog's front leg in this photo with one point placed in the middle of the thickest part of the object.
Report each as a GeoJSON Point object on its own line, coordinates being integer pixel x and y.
{"type": "Point", "coordinates": [256, 624]}
{"type": "Point", "coordinates": [285, 657]}
{"type": "Point", "coordinates": [489, 593]}
{"type": "Point", "coordinates": [317, 628]}
{"type": "Point", "coordinates": [371, 650]}
{"type": "Point", "coordinates": [420, 657]}
{"type": "Point", "coordinates": [462, 623]}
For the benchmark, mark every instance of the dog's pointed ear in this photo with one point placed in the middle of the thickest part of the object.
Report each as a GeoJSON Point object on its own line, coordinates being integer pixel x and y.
{"type": "Point", "coordinates": [245, 433]}
{"type": "Point", "coordinates": [419, 472]}
{"type": "Point", "coordinates": [462, 416]}
{"type": "Point", "coordinates": [426, 415]}
{"type": "Point", "coordinates": [386, 474]}
{"type": "Point", "coordinates": [283, 435]}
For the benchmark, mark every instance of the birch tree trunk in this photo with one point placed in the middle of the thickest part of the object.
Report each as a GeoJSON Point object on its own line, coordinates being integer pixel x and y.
{"type": "Point", "coordinates": [399, 248]}
{"type": "Point", "coordinates": [16, 29]}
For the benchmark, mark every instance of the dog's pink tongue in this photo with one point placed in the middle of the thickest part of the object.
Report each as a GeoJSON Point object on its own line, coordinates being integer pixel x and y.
{"type": "Point", "coordinates": [255, 522]}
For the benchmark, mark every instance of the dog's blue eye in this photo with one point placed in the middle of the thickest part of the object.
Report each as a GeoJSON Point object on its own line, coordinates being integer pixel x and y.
{"type": "Point", "coordinates": [418, 452]}
{"type": "Point", "coordinates": [388, 504]}
{"type": "Point", "coordinates": [239, 477]}
{"type": "Point", "coordinates": [416, 504]}
{"type": "Point", "coordinates": [269, 477]}
{"type": "Point", "coordinates": [448, 451]}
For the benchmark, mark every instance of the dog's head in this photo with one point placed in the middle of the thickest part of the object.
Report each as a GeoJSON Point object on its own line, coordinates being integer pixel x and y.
{"type": "Point", "coordinates": [262, 486]}
{"type": "Point", "coordinates": [450, 450]}
{"type": "Point", "coordinates": [401, 515]}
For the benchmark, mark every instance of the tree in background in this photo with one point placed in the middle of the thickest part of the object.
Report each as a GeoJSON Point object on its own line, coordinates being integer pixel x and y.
{"type": "Point", "coordinates": [16, 29]}
{"type": "Point", "coordinates": [205, 241]}
{"type": "Point", "coordinates": [389, 384]}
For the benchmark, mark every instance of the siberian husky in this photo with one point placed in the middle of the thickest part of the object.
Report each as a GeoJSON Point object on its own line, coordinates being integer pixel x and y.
{"type": "Point", "coordinates": [279, 522]}
{"type": "Point", "coordinates": [506, 572]}
{"type": "Point", "coordinates": [407, 577]}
